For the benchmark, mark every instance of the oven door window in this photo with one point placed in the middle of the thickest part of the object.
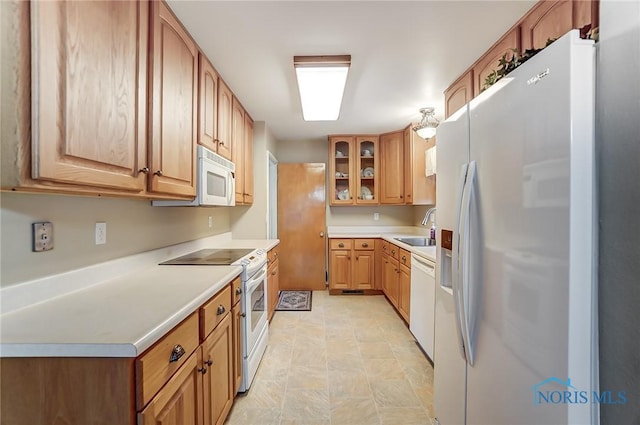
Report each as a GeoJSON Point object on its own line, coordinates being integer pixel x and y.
{"type": "Point", "coordinates": [216, 184]}
{"type": "Point", "coordinates": [257, 305]}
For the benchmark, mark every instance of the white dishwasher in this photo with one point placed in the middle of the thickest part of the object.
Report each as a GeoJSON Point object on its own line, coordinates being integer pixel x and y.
{"type": "Point", "coordinates": [423, 301]}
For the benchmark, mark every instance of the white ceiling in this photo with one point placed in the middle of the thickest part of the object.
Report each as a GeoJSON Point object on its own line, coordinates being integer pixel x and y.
{"type": "Point", "coordinates": [404, 54]}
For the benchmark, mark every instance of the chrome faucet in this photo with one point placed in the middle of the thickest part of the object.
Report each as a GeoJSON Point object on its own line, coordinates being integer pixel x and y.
{"type": "Point", "coordinates": [427, 216]}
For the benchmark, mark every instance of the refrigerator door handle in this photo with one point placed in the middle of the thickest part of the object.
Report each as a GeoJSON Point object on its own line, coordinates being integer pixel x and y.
{"type": "Point", "coordinates": [455, 260]}
{"type": "Point", "coordinates": [466, 234]}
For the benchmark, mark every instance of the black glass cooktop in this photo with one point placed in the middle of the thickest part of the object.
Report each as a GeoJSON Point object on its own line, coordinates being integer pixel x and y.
{"type": "Point", "coordinates": [209, 257]}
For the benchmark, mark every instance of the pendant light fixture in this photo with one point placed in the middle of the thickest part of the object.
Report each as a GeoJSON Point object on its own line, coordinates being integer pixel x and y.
{"type": "Point", "coordinates": [427, 127]}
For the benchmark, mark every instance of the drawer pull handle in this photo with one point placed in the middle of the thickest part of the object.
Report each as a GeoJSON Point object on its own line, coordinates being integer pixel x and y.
{"type": "Point", "coordinates": [176, 353]}
{"type": "Point", "coordinates": [220, 310]}
{"type": "Point", "coordinates": [202, 370]}
{"type": "Point", "coordinates": [365, 245]}
{"type": "Point", "coordinates": [209, 362]}
{"type": "Point", "coordinates": [238, 291]}
{"type": "Point", "coordinates": [340, 245]}
{"type": "Point", "coordinates": [404, 258]}
{"type": "Point", "coordinates": [275, 255]}
{"type": "Point", "coordinates": [243, 314]}
{"type": "Point", "coordinates": [393, 251]}
{"type": "Point", "coordinates": [273, 273]}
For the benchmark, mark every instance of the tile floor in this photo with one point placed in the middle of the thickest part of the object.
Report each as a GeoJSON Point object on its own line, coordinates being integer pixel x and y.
{"type": "Point", "coordinates": [351, 360]}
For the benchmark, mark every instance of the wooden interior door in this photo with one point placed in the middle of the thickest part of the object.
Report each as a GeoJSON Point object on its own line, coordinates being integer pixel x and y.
{"type": "Point", "coordinates": [301, 226]}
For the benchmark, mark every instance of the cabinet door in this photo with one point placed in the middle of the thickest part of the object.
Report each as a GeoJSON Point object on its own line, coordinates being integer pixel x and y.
{"type": "Point", "coordinates": [404, 291]}
{"type": "Point", "coordinates": [392, 165]}
{"type": "Point", "coordinates": [89, 98]}
{"type": "Point", "coordinates": [458, 94]}
{"type": "Point", "coordinates": [547, 19]}
{"type": "Point", "coordinates": [273, 287]}
{"type": "Point", "coordinates": [208, 104]}
{"type": "Point", "coordinates": [219, 379]}
{"type": "Point", "coordinates": [248, 160]}
{"type": "Point", "coordinates": [367, 170]}
{"type": "Point", "coordinates": [225, 102]}
{"type": "Point", "coordinates": [490, 60]}
{"type": "Point", "coordinates": [174, 104]}
{"type": "Point", "coordinates": [237, 149]}
{"type": "Point", "coordinates": [339, 269]}
{"type": "Point", "coordinates": [341, 169]}
{"type": "Point", "coordinates": [179, 402]}
{"type": "Point", "coordinates": [237, 346]}
{"type": "Point", "coordinates": [390, 279]}
{"type": "Point", "coordinates": [363, 270]}
{"type": "Point", "coordinates": [418, 188]}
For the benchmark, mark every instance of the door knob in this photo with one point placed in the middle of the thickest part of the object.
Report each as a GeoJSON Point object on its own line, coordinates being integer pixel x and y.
{"type": "Point", "coordinates": [322, 234]}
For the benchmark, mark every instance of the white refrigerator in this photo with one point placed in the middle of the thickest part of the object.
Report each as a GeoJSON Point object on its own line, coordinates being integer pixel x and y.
{"type": "Point", "coordinates": [516, 323]}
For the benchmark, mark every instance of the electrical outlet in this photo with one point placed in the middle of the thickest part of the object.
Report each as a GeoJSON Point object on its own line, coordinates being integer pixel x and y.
{"type": "Point", "coordinates": [376, 216]}
{"type": "Point", "coordinates": [210, 222]}
{"type": "Point", "coordinates": [42, 236]}
{"type": "Point", "coordinates": [101, 233]}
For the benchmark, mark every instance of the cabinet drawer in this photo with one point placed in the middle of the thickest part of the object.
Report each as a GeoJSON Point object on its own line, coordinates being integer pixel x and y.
{"type": "Point", "coordinates": [364, 244]}
{"type": "Point", "coordinates": [341, 243]}
{"type": "Point", "coordinates": [159, 363]}
{"type": "Point", "coordinates": [393, 251]}
{"type": "Point", "coordinates": [272, 255]}
{"type": "Point", "coordinates": [214, 311]}
{"type": "Point", "coordinates": [236, 290]}
{"type": "Point", "coordinates": [405, 257]}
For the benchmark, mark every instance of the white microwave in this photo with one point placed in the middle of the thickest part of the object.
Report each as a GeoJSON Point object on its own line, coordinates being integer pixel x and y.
{"type": "Point", "coordinates": [215, 182]}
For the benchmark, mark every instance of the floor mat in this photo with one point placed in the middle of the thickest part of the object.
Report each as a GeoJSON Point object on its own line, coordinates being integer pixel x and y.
{"type": "Point", "coordinates": [294, 301]}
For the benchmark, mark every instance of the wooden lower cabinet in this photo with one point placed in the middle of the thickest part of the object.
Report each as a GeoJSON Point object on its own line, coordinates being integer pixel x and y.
{"type": "Point", "coordinates": [180, 401]}
{"type": "Point", "coordinates": [396, 278]}
{"type": "Point", "coordinates": [218, 380]}
{"type": "Point", "coordinates": [236, 313]}
{"type": "Point", "coordinates": [196, 389]}
{"type": "Point", "coordinates": [390, 278]}
{"type": "Point", "coordinates": [352, 264]}
{"type": "Point", "coordinates": [404, 291]}
{"type": "Point", "coordinates": [273, 287]}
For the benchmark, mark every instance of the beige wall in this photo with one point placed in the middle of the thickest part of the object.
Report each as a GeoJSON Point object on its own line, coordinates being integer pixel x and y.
{"type": "Point", "coordinates": [250, 222]}
{"type": "Point", "coordinates": [318, 151]}
{"type": "Point", "coordinates": [133, 226]}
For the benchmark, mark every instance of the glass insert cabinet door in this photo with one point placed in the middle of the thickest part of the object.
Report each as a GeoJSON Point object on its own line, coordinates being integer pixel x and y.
{"type": "Point", "coordinates": [342, 159]}
{"type": "Point", "coordinates": [367, 170]}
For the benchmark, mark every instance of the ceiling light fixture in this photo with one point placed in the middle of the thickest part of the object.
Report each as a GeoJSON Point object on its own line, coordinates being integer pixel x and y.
{"type": "Point", "coordinates": [321, 81]}
{"type": "Point", "coordinates": [427, 127]}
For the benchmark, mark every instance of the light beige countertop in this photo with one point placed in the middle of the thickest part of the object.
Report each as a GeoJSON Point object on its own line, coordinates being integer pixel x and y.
{"type": "Point", "coordinates": [114, 309]}
{"type": "Point", "coordinates": [389, 234]}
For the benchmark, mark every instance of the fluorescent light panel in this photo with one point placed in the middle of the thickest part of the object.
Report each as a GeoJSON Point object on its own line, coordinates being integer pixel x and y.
{"type": "Point", "coordinates": [321, 82]}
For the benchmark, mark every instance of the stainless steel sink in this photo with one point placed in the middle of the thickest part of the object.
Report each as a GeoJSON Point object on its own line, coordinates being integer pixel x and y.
{"type": "Point", "coordinates": [417, 241]}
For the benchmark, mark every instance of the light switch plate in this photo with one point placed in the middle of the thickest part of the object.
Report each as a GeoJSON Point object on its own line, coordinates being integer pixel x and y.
{"type": "Point", "coordinates": [42, 239]}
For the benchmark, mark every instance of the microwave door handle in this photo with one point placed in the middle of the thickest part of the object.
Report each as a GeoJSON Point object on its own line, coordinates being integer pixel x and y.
{"type": "Point", "coordinates": [230, 187]}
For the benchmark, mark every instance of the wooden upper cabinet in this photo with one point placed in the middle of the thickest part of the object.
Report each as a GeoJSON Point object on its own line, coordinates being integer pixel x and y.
{"type": "Point", "coordinates": [367, 170]}
{"type": "Point", "coordinates": [458, 94]}
{"type": "Point", "coordinates": [392, 168]}
{"type": "Point", "coordinates": [418, 188]}
{"type": "Point", "coordinates": [341, 179]}
{"type": "Point", "coordinates": [173, 106]}
{"type": "Point", "coordinates": [89, 120]}
{"type": "Point", "coordinates": [490, 61]}
{"type": "Point", "coordinates": [224, 125]}
{"type": "Point", "coordinates": [237, 149]}
{"type": "Point", "coordinates": [547, 20]}
{"type": "Point", "coordinates": [208, 104]}
{"type": "Point", "coordinates": [248, 160]}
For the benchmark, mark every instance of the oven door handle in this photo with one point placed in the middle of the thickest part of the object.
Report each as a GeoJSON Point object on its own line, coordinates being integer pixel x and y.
{"type": "Point", "coordinates": [255, 280]}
